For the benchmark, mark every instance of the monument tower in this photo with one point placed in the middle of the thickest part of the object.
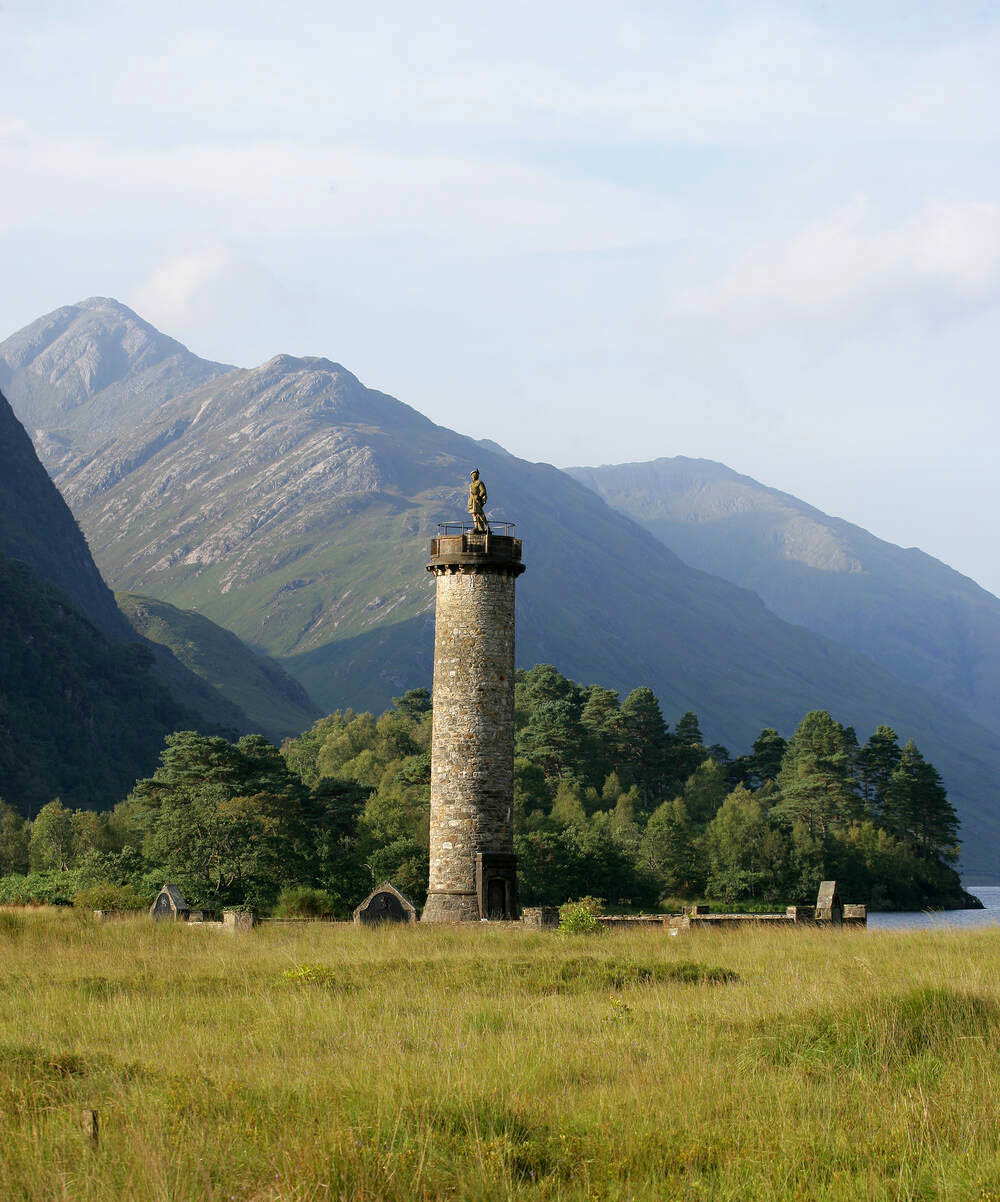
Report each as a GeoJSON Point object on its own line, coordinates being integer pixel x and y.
{"type": "Point", "coordinates": [473, 870]}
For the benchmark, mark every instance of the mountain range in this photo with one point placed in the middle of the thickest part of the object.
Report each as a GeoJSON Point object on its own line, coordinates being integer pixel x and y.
{"type": "Point", "coordinates": [293, 505]}
{"type": "Point", "coordinates": [927, 623]}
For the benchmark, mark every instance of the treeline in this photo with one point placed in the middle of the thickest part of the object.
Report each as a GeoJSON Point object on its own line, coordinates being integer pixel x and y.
{"type": "Point", "coordinates": [609, 802]}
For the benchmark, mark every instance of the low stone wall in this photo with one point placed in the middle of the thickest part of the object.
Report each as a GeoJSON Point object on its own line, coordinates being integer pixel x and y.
{"type": "Point", "coordinates": [698, 918]}
{"type": "Point", "coordinates": [632, 922]}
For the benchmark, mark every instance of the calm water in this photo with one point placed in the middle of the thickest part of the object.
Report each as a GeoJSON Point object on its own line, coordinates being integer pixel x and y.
{"type": "Point", "coordinates": [989, 895]}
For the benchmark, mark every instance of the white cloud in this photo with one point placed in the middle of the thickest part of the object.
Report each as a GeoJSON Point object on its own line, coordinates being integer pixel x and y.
{"type": "Point", "coordinates": [171, 293]}
{"type": "Point", "coordinates": [954, 246]}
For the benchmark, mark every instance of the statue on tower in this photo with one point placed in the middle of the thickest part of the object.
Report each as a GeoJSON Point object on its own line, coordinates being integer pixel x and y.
{"type": "Point", "coordinates": [478, 497]}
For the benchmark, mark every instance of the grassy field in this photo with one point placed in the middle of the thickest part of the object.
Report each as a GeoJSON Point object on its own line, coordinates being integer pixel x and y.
{"type": "Point", "coordinates": [337, 1063]}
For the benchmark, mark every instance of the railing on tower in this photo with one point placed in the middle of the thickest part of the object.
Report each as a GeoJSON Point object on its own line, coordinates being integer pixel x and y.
{"type": "Point", "coordinates": [506, 529]}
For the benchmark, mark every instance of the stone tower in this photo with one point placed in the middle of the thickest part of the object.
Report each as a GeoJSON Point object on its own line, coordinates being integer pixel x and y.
{"type": "Point", "coordinates": [473, 870]}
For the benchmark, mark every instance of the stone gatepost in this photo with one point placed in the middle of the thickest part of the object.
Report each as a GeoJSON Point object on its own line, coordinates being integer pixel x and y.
{"type": "Point", "coordinates": [473, 872]}
{"type": "Point", "coordinates": [237, 919]}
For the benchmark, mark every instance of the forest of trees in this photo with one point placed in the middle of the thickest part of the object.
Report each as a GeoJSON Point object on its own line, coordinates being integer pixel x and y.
{"type": "Point", "coordinates": [610, 802]}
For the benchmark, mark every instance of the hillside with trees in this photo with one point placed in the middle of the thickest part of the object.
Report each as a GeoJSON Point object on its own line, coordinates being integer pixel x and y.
{"type": "Point", "coordinates": [610, 802]}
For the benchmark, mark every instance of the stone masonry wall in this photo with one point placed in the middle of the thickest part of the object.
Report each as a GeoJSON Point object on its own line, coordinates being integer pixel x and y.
{"type": "Point", "coordinates": [472, 758]}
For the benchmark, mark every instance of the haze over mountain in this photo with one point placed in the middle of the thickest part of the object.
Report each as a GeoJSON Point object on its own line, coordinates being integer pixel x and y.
{"type": "Point", "coordinates": [293, 505]}
{"type": "Point", "coordinates": [913, 614]}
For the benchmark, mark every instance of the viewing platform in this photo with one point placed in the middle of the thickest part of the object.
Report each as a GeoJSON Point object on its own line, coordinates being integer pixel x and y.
{"type": "Point", "coordinates": [460, 546]}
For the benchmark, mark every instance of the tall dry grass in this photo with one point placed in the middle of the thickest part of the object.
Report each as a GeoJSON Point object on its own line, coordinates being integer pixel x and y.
{"type": "Point", "coordinates": [312, 1062]}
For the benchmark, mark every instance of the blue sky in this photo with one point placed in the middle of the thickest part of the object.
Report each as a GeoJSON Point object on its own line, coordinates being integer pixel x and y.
{"type": "Point", "coordinates": [764, 234]}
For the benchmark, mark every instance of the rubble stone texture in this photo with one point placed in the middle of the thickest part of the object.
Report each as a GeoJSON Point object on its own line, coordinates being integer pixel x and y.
{"type": "Point", "coordinates": [472, 754]}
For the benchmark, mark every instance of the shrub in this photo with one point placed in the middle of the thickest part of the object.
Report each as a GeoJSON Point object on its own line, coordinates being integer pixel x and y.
{"type": "Point", "coordinates": [311, 974]}
{"type": "Point", "coordinates": [580, 917]}
{"type": "Point", "coordinates": [110, 897]}
{"type": "Point", "coordinates": [52, 888]}
{"type": "Point", "coordinates": [301, 901]}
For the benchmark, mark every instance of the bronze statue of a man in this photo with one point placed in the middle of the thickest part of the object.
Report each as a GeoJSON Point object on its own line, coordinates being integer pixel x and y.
{"type": "Point", "coordinates": [477, 499]}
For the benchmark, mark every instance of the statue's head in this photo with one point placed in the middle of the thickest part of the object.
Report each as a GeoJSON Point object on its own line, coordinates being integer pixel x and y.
{"type": "Point", "coordinates": [474, 474]}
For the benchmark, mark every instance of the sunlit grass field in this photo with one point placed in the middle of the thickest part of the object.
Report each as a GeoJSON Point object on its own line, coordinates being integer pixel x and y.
{"type": "Point", "coordinates": [331, 1062]}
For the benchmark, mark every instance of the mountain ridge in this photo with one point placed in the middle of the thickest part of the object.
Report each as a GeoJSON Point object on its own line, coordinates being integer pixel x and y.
{"type": "Point", "coordinates": [77, 371]}
{"type": "Point", "coordinates": [929, 624]}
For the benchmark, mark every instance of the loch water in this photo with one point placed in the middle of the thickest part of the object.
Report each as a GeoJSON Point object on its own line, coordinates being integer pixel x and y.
{"type": "Point", "coordinates": [989, 895]}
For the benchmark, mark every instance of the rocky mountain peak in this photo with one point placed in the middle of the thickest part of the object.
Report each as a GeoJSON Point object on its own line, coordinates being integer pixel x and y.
{"type": "Point", "coordinates": [85, 368]}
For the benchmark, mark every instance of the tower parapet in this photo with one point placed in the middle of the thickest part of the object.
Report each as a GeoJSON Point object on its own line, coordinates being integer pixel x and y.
{"type": "Point", "coordinates": [472, 865]}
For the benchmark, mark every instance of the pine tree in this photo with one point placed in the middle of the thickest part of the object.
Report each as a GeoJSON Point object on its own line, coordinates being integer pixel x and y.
{"type": "Point", "coordinates": [685, 751]}
{"type": "Point", "coordinates": [815, 779]}
{"type": "Point", "coordinates": [552, 737]}
{"type": "Point", "coordinates": [877, 761]}
{"type": "Point", "coordinates": [646, 744]}
{"type": "Point", "coordinates": [766, 756]}
{"type": "Point", "coordinates": [604, 724]}
{"type": "Point", "coordinates": [917, 810]}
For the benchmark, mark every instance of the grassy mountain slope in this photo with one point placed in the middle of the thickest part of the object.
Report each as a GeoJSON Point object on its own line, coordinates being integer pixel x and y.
{"type": "Point", "coordinates": [294, 506]}
{"type": "Point", "coordinates": [273, 703]}
{"type": "Point", "coordinates": [80, 717]}
{"type": "Point", "coordinates": [921, 619]}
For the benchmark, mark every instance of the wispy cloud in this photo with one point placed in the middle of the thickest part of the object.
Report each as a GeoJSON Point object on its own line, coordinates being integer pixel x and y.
{"type": "Point", "coordinates": [850, 256]}
{"type": "Point", "coordinates": [483, 206]}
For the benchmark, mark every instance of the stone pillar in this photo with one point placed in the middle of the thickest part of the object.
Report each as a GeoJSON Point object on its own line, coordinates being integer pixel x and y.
{"type": "Point", "coordinates": [472, 865]}
{"type": "Point", "coordinates": [237, 919]}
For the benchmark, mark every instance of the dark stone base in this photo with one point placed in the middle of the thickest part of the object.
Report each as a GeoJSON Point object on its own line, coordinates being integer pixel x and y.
{"type": "Point", "coordinates": [451, 907]}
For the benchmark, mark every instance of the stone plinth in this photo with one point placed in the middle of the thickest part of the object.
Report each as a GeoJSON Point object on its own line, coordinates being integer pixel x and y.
{"type": "Point", "coordinates": [472, 865]}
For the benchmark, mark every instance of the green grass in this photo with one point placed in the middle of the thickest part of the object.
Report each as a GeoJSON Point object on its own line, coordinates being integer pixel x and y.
{"type": "Point", "coordinates": [307, 1062]}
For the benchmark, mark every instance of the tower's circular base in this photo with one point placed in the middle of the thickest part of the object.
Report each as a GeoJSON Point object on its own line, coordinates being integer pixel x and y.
{"type": "Point", "coordinates": [451, 907]}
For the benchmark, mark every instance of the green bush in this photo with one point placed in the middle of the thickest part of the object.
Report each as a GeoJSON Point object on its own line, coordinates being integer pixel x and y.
{"type": "Point", "coordinates": [301, 901]}
{"type": "Point", "coordinates": [580, 917]}
{"type": "Point", "coordinates": [49, 888]}
{"type": "Point", "coordinates": [110, 897]}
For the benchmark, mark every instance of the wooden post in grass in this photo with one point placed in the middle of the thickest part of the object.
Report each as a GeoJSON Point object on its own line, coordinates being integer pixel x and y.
{"type": "Point", "coordinates": [91, 1124]}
